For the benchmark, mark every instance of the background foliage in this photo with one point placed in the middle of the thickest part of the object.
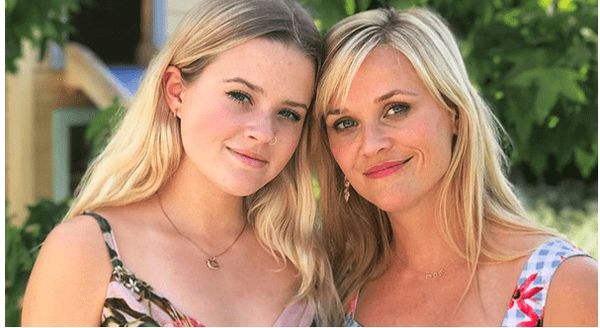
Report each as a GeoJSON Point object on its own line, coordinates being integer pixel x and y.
{"type": "Point", "coordinates": [101, 127]}
{"type": "Point", "coordinates": [535, 61]}
{"type": "Point", "coordinates": [21, 249]}
{"type": "Point", "coordinates": [38, 21]}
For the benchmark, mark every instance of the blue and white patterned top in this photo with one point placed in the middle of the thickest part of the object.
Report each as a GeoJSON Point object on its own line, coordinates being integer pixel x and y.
{"type": "Point", "coordinates": [526, 306]}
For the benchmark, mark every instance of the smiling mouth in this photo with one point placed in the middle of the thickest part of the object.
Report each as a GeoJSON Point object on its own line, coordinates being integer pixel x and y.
{"type": "Point", "coordinates": [385, 169]}
{"type": "Point", "coordinates": [248, 159]}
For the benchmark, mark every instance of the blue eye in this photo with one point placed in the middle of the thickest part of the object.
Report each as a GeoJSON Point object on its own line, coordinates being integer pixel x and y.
{"type": "Point", "coordinates": [397, 109]}
{"type": "Point", "coordinates": [344, 124]}
{"type": "Point", "coordinates": [239, 97]}
{"type": "Point", "coordinates": [290, 115]}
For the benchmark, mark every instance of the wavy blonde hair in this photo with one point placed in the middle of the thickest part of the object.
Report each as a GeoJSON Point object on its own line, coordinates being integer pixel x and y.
{"type": "Point", "coordinates": [146, 147]}
{"type": "Point", "coordinates": [358, 233]}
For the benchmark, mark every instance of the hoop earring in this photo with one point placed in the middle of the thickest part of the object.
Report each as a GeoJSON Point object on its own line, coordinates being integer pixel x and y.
{"type": "Point", "coordinates": [273, 141]}
{"type": "Point", "coordinates": [346, 189]}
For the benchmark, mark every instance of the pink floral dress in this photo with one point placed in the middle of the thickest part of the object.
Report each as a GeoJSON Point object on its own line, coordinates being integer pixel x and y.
{"type": "Point", "coordinates": [526, 306]}
{"type": "Point", "coordinates": [133, 302]}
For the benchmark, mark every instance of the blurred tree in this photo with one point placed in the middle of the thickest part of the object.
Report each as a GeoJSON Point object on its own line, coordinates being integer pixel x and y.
{"type": "Point", "coordinates": [534, 61]}
{"type": "Point", "coordinates": [38, 21]}
{"type": "Point", "coordinates": [22, 245]}
{"type": "Point", "coordinates": [102, 126]}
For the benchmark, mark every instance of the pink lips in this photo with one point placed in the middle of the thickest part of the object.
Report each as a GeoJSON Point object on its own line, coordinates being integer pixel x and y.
{"type": "Point", "coordinates": [249, 158]}
{"type": "Point", "coordinates": [385, 169]}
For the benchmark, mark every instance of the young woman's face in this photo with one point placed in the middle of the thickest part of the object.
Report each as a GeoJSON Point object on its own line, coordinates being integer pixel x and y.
{"type": "Point", "coordinates": [242, 118]}
{"type": "Point", "coordinates": [391, 138]}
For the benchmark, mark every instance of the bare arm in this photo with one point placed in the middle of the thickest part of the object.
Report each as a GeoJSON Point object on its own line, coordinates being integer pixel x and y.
{"type": "Point", "coordinates": [573, 294]}
{"type": "Point", "coordinates": [69, 279]}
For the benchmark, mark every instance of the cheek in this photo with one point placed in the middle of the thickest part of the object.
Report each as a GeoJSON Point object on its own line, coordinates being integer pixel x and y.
{"type": "Point", "coordinates": [342, 152]}
{"type": "Point", "coordinates": [207, 121]}
{"type": "Point", "coordinates": [289, 146]}
{"type": "Point", "coordinates": [440, 147]}
{"type": "Point", "coordinates": [287, 143]}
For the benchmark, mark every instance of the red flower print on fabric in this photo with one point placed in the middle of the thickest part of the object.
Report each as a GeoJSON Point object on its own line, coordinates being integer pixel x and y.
{"type": "Point", "coordinates": [352, 306]}
{"type": "Point", "coordinates": [523, 293]}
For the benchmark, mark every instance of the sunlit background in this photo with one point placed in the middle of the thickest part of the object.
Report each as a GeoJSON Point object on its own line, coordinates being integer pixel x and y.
{"type": "Point", "coordinates": [73, 65]}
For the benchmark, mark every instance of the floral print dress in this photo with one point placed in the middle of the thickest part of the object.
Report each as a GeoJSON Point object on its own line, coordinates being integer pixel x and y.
{"type": "Point", "coordinates": [526, 306]}
{"type": "Point", "coordinates": [132, 302]}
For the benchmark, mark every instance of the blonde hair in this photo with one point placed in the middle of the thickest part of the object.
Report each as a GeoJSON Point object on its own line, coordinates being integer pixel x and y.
{"type": "Point", "coordinates": [359, 234]}
{"type": "Point", "coordinates": [146, 147]}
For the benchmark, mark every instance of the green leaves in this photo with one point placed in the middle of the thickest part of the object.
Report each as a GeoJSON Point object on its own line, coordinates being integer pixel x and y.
{"type": "Point", "coordinates": [101, 127]}
{"type": "Point", "coordinates": [22, 244]}
{"type": "Point", "coordinates": [327, 13]}
{"type": "Point", "coordinates": [39, 21]}
{"type": "Point", "coordinates": [550, 83]}
{"type": "Point", "coordinates": [350, 7]}
{"type": "Point", "coordinates": [404, 4]}
{"type": "Point", "coordinates": [586, 160]}
{"type": "Point", "coordinates": [538, 71]}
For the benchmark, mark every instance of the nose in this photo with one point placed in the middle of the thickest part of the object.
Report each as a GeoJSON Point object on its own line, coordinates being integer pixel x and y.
{"type": "Point", "coordinates": [260, 129]}
{"type": "Point", "coordinates": [375, 139]}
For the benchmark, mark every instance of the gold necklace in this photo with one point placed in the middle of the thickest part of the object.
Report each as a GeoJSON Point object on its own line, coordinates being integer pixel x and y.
{"type": "Point", "coordinates": [435, 274]}
{"type": "Point", "coordinates": [211, 261]}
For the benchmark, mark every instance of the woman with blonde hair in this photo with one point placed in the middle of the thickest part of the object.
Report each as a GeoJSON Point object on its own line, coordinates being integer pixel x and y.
{"type": "Point", "coordinates": [205, 188]}
{"type": "Point", "coordinates": [423, 227]}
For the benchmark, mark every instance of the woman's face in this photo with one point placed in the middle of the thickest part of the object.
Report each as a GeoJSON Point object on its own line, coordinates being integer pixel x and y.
{"type": "Point", "coordinates": [242, 117]}
{"type": "Point", "coordinates": [391, 138]}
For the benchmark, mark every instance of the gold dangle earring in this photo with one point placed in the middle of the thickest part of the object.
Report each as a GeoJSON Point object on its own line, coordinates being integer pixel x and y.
{"type": "Point", "coordinates": [346, 189]}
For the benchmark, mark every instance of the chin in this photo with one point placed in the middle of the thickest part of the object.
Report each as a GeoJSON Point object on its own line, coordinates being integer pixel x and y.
{"type": "Point", "coordinates": [243, 188]}
{"type": "Point", "coordinates": [391, 204]}
{"type": "Point", "coordinates": [242, 191]}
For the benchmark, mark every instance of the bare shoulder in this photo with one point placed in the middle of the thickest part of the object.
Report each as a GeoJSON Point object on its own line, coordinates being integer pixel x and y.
{"type": "Point", "coordinates": [79, 238]}
{"type": "Point", "coordinates": [573, 294]}
{"type": "Point", "coordinates": [512, 242]}
{"type": "Point", "coordinates": [69, 279]}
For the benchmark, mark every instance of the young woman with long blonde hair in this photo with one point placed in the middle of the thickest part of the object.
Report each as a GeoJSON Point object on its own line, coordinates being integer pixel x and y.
{"type": "Point", "coordinates": [422, 225]}
{"type": "Point", "coordinates": [205, 188]}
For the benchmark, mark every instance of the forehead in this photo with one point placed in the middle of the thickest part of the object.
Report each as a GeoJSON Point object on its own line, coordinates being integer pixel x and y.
{"type": "Point", "coordinates": [272, 65]}
{"type": "Point", "coordinates": [382, 70]}
{"type": "Point", "coordinates": [261, 53]}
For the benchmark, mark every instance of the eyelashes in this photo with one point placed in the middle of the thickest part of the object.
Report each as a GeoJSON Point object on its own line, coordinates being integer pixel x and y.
{"type": "Point", "coordinates": [397, 108]}
{"type": "Point", "coordinates": [240, 97]}
{"type": "Point", "coordinates": [245, 99]}
{"type": "Point", "coordinates": [290, 115]}
{"type": "Point", "coordinates": [344, 123]}
{"type": "Point", "coordinates": [393, 111]}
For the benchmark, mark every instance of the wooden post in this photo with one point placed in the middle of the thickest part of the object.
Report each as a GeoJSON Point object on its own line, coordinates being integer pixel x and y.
{"type": "Point", "coordinates": [20, 172]}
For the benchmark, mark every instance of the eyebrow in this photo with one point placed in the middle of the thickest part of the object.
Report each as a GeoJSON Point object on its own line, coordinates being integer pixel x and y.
{"type": "Point", "coordinates": [260, 90]}
{"type": "Point", "coordinates": [379, 99]}
{"type": "Point", "coordinates": [296, 104]}
{"type": "Point", "coordinates": [335, 111]}
{"type": "Point", "coordinates": [395, 92]}
{"type": "Point", "coordinates": [252, 87]}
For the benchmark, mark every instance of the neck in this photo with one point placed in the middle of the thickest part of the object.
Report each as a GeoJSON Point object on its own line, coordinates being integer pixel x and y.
{"type": "Point", "coordinates": [200, 208]}
{"type": "Point", "coordinates": [419, 243]}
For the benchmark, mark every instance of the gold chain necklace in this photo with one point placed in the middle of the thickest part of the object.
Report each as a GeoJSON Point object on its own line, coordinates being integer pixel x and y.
{"type": "Point", "coordinates": [435, 274]}
{"type": "Point", "coordinates": [211, 261]}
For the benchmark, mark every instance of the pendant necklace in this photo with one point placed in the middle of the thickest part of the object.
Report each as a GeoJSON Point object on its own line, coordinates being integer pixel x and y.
{"type": "Point", "coordinates": [435, 274]}
{"type": "Point", "coordinates": [211, 260]}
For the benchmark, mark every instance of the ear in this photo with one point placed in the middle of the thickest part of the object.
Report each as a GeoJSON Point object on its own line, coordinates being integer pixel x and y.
{"type": "Point", "coordinates": [173, 88]}
{"type": "Point", "coordinates": [455, 122]}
